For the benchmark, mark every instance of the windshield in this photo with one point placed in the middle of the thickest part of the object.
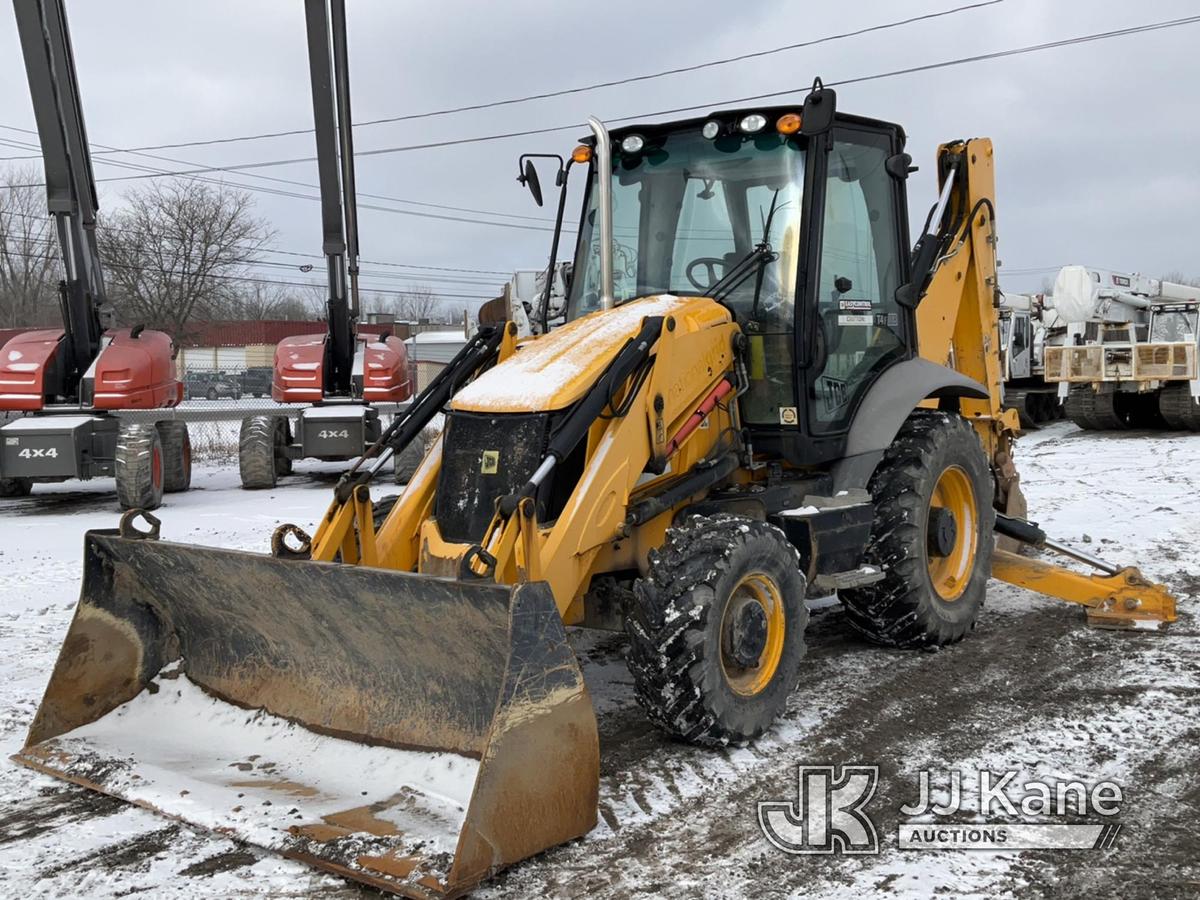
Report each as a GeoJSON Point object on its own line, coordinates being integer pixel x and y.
{"type": "Point", "coordinates": [687, 210]}
{"type": "Point", "coordinates": [1172, 325]}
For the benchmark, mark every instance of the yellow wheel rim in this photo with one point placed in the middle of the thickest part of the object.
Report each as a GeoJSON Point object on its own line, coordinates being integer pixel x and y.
{"type": "Point", "coordinates": [950, 574]}
{"type": "Point", "coordinates": [744, 677]}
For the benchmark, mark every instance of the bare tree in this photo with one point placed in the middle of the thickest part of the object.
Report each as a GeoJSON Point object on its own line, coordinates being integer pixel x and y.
{"type": "Point", "coordinates": [30, 268]}
{"type": "Point", "coordinates": [178, 248]}
{"type": "Point", "coordinates": [419, 302]}
{"type": "Point", "coordinates": [295, 308]}
{"type": "Point", "coordinates": [259, 300]}
{"type": "Point", "coordinates": [377, 303]}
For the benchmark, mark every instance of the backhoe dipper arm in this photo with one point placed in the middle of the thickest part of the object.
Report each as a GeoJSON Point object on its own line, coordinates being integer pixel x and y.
{"type": "Point", "coordinates": [1119, 597]}
{"type": "Point", "coordinates": [70, 183]}
{"type": "Point", "coordinates": [957, 315]}
{"type": "Point", "coordinates": [955, 285]}
{"type": "Point", "coordinates": [325, 21]}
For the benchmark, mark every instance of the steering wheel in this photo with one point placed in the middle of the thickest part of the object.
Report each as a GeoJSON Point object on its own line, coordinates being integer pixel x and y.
{"type": "Point", "coordinates": [710, 264]}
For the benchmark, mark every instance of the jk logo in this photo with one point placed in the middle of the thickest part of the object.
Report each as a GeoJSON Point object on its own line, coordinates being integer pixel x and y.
{"type": "Point", "coordinates": [826, 816]}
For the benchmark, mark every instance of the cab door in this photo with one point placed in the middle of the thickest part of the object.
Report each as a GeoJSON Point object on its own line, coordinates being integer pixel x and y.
{"type": "Point", "coordinates": [855, 330]}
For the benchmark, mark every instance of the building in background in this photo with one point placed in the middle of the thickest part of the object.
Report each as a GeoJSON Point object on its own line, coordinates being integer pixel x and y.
{"type": "Point", "coordinates": [234, 346]}
{"type": "Point", "coordinates": [430, 351]}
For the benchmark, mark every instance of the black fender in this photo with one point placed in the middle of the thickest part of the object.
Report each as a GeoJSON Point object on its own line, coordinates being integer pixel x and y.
{"type": "Point", "coordinates": [888, 402]}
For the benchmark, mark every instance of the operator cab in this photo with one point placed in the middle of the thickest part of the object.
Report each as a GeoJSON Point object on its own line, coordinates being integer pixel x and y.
{"type": "Point", "coordinates": [803, 238]}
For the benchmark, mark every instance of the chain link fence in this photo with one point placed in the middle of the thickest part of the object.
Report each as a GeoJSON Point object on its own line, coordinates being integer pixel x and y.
{"type": "Point", "coordinates": [217, 400]}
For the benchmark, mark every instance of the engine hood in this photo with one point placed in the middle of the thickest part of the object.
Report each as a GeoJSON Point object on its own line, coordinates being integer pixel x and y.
{"type": "Point", "coordinates": [553, 371]}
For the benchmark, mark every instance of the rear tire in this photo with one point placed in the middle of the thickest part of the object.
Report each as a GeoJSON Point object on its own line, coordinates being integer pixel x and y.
{"type": "Point", "coordinates": [382, 508]}
{"type": "Point", "coordinates": [1178, 409]}
{"type": "Point", "coordinates": [406, 462]}
{"type": "Point", "coordinates": [16, 487]}
{"type": "Point", "coordinates": [257, 444]}
{"type": "Point", "coordinates": [1092, 411]}
{"type": "Point", "coordinates": [930, 595]}
{"type": "Point", "coordinates": [283, 462]}
{"type": "Point", "coordinates": [177, 456]}
{"type": "Point", "coordinates": [139, 465]}
{"type": "Point", "coordinates": [1045, 407]}
{"type": "Point", "coordinates": [716, 629]}
{"type": "Point", "coordinates": [1025, 405]}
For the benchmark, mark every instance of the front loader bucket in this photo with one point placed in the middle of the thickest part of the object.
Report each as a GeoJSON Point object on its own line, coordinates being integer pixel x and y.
{"type": "Point", "coordinates": [413, 733]}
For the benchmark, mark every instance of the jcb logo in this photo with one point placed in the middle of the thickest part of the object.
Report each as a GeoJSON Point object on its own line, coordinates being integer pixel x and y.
{"type": "Point", "coordinates": [38, 453]}
{"type": "Point", "coordinates": [827, 815]}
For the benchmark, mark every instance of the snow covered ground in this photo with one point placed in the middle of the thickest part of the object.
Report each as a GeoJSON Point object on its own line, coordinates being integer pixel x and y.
{"type": "Point", "coordinates": [1032, 689]}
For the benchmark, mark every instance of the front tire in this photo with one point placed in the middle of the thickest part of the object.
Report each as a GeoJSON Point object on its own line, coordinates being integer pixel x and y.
{"type": "Point", "coordinates": [257, 443]}
{"type": "Point", "coordinates": [139, 465]}
{"type": "Point", "coordinates": [16, 487]}
{"type": "Point", "coordinates": [932, 536]}
{"type": "Point", "coordinates": [716, 629]}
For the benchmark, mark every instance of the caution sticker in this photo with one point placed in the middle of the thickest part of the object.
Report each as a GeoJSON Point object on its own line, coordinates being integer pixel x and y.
{"type": "Point", "coordinates": [491, 462]}
{"type": "Point", "coordinates": [856, 319]}
{"type": "Point", "coordinates": [787, 415]}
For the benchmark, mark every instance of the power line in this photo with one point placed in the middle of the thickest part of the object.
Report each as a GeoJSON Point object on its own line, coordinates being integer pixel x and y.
{"type": "Point", "coordinates": [168, 273]}
{"type": "Point", "coordinates": [154, 172]}
{"type": "Point", "coordinates": [757, 54]}
{"type": "Point", "coordinates": [297, 253]}
{"type": "Point", "coordinates": [410, 278]}
{"type": "Point", "coordinates": [892, 73]}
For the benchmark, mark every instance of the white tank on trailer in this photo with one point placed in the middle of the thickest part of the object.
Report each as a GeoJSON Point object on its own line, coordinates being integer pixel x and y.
{"type": "Point", "coordinates": [1099, 295]}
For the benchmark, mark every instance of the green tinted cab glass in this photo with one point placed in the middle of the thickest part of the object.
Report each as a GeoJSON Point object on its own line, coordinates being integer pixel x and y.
{"type": "Point", "coordinates": [686, 211]}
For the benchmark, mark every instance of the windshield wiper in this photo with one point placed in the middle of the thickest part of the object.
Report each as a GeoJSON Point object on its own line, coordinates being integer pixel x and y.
{"type": "Point", "coordinates": [748, 265]}
{"type": "Point", "coordinates": [752, 263]}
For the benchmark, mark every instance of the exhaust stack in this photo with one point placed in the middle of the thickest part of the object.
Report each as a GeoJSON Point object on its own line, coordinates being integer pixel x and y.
{"type": "Point", "coordinates": [604, 183]}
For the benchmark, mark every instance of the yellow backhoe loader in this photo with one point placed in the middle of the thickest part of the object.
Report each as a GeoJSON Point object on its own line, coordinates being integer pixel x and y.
{"type": "Point", "coordinates": [759, 394]}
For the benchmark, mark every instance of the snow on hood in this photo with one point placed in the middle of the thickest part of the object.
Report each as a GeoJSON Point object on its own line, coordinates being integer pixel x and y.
{"type": "Point", "coordinates": [545, 368]}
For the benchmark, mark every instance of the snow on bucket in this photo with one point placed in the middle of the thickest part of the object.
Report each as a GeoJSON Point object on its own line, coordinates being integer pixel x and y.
{"type": "Point", "coordinates": [413, 733]}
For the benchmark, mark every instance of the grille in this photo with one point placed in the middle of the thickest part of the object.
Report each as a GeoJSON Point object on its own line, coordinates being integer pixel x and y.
{"type": "Point", "coordinates": [1165, 361]}
{"type": "Point", "coordinates": [484, 457]}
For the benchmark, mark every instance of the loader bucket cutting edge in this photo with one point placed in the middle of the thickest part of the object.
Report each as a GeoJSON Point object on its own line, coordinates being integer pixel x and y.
{"type": "Point", "coordinates": [413, 733]}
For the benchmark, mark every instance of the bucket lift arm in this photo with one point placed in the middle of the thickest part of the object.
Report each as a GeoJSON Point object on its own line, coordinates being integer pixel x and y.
{"type": "Point", "coordinates": [325, 21]}
{"type": "Point", "coordinates": [70, 182]}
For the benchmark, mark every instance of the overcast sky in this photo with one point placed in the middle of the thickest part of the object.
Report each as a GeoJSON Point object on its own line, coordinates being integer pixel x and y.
{"type": "Point", "coordinates": [1097, 145]}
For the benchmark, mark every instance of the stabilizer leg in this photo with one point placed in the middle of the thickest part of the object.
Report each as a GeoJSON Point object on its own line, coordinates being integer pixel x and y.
{"type": "Point", "coordinates": [1115, 596]}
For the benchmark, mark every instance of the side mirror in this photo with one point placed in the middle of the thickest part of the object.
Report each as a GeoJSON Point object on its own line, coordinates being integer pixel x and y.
{"type": "Point", "coordinates": [819, 107]}
{"type": "Point", "coordinates": [899, 165]}
{"type": "Point", "coordinates": [529, 178]}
